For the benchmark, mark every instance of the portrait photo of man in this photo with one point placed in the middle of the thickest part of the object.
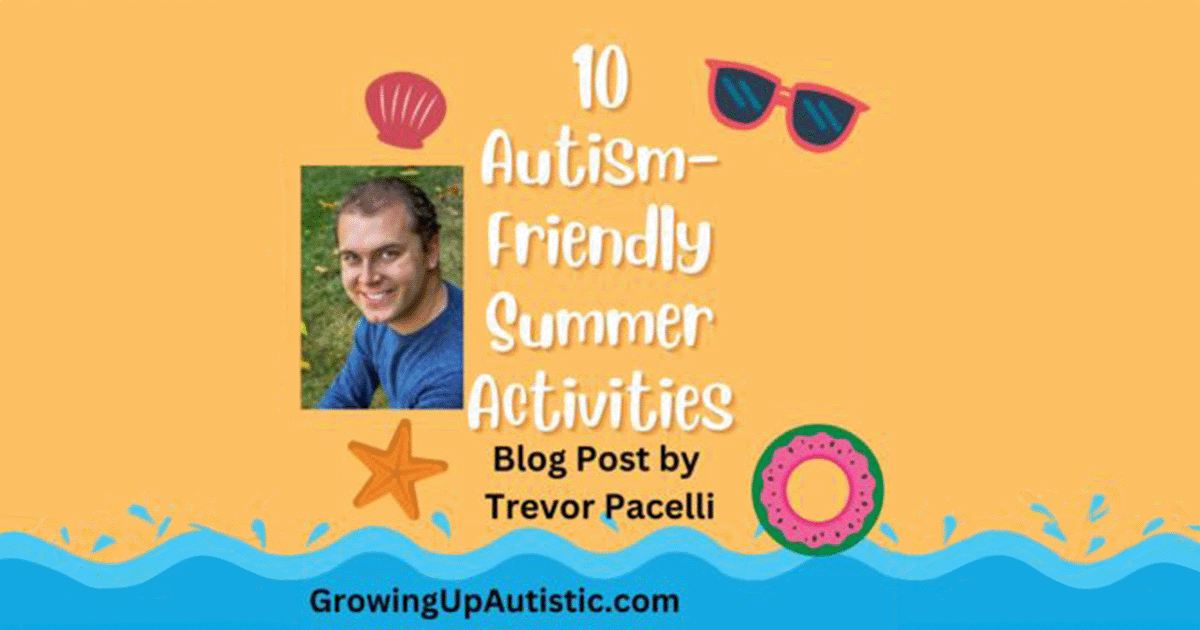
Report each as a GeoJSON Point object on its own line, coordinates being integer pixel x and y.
{"type": "Point", "coordinates": [407, 337]}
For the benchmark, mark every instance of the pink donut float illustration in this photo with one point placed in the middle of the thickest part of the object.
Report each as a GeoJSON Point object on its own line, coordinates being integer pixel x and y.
{"type": "Point", "coordinates": [852, 457]}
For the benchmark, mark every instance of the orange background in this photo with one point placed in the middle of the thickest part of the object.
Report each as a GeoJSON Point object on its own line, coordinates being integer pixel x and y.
{"type": "Point", "coordinates": [994, 282]}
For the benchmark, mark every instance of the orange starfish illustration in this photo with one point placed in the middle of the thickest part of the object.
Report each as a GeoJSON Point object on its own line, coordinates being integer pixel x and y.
{"type": "Point", "coordinates": [395, 470]}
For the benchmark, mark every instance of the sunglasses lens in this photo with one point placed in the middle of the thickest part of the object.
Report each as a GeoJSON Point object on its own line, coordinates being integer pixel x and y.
{"type": "Point", "coordinates": [819, 118]}
{"type": "Point", "coordinates": [741, 95]}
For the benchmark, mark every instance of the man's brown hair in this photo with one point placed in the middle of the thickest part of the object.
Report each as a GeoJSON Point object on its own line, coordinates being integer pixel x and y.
{"type": "Point", "coordinates": [375, 194]}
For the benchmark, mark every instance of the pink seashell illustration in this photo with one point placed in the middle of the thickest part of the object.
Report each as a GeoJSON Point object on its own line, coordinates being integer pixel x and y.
{"type": "Point", "coordinates": [405, 107]}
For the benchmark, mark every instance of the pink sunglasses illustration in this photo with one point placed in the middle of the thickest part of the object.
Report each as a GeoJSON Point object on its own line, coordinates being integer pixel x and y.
{"type": "Point", "coordinates": [820, 118]}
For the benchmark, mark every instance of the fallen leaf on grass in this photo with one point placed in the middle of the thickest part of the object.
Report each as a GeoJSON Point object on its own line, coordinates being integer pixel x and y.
{"type": "Point", "coordinates": [409, 172]}
{"type": "Point", "coordinates": [303, 329]}
{"type": "Point", "coordinates": [305, 366]}
{"type": "Point", "coordinates": [320, 269]}
{"type": "Point", "coordinates": [328, 205]}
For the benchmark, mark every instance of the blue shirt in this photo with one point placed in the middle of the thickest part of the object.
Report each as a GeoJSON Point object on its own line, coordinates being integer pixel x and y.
{"type": "Point", "coordinates": [423, 370]}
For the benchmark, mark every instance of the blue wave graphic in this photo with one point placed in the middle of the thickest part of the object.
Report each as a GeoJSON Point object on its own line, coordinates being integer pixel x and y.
{"type": "Point", "coordinates": [835, 592]}
{"type": "Point", "coordinates": [1167, 548]}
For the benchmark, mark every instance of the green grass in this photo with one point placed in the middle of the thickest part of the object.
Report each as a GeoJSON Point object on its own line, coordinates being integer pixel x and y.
{"type": "Point", "coordinates": [327, 313]}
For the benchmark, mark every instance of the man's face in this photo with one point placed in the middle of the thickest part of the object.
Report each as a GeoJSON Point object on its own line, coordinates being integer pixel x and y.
{"type": "Point", "coordinates": [385, 269]}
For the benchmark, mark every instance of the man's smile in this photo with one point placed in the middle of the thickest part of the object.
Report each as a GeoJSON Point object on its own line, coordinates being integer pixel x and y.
{"type": "Point", "coordinates": [375, 299]}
